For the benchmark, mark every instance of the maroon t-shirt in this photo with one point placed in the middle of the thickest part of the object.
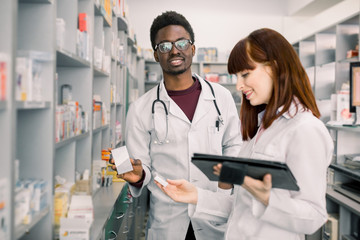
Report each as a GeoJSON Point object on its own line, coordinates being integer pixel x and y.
{"type": "Point", "coordinates": [187, 99]}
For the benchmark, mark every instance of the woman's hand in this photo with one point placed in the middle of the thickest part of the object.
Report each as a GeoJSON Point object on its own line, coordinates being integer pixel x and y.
{"type": "Point", "coordinates": [222, 185]}
{"type": "Point", "coordinates": [133, 176]}
{"type": "Point", "coordinates": [217, 169]}
{"type": "Point", "coordinates": [180, 191]}
{"type": "Point", "coordinates": [259, 189]}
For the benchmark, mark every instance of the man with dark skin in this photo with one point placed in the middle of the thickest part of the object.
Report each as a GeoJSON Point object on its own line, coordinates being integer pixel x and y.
{"type": "Point", "coordinates": [171, 122]}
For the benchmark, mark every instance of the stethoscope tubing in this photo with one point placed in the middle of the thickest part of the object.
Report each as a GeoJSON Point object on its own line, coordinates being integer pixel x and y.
{"type": "Point", "coordinates": [158, 100]}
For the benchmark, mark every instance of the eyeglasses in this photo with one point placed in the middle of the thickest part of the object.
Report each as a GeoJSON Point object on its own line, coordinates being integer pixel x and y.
{"type": "Point", "coordinates": [166, 47]}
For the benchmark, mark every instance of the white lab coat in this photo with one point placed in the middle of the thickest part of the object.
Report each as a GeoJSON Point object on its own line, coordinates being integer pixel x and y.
{"type": "Point", "coordinates": [168, 219]}
{"type": "Point", "coordinates": [304, 144]}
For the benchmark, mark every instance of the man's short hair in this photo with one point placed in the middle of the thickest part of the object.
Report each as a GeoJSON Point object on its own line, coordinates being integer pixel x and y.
{"type": "Point", "coordinates": [166, 19]}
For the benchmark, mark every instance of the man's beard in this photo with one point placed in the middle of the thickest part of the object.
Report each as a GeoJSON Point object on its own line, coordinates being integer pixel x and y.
{"type": "Point", "coordinates": [177, 72]}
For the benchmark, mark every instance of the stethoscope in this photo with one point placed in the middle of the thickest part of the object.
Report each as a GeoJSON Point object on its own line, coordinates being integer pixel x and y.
{"type": "Point", "coordinates": [158, 100]}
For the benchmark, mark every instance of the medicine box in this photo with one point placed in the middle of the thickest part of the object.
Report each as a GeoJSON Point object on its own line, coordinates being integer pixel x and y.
{"type": "Point", "coordinates": [82, 22]}
{"type": "Point", "coordinates": [74, 229]}
{"type": "Point", "coordinates": [81, 206]}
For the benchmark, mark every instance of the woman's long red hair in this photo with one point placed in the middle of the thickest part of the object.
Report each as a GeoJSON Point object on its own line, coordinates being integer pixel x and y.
{"type": "Point", "coordinates": [268, 47]}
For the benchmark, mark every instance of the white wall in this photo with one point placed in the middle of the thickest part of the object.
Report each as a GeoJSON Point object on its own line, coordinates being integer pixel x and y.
{"type": "Point", "coordinates": [215, 23]}
{"type": "Point", "coordinates": [222, 23]}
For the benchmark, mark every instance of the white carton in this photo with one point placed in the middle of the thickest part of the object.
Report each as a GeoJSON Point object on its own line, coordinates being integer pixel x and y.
{"type": "Point", "coordinates": [74, 229]}
{"type": "Point", "coordinates": [122, 160]}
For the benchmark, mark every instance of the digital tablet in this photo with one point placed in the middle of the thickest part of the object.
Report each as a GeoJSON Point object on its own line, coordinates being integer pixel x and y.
{"type": "Point", "coordinates": [280, 172]}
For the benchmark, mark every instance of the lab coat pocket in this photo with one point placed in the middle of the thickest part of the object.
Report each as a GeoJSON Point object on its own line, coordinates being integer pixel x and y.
{"type": "Point", "coordinates": [267, 152]}
{"type": "Point", "coordinates": [262, 156]}
{"type": "Point", "coordinates": [218, 224]}
{"type": "Point", "coordinates": [214, 140]}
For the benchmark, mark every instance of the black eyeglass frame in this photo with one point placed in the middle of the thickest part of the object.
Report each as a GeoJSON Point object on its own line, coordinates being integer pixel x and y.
{"type": "Point", "coordinates": [172, 45]}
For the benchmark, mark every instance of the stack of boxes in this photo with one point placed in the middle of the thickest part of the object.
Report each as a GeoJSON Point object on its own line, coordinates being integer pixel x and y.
{"type": "Point", "coordinates": [79, 219]}
{"type": "Point", "coordinates": [207, 54]}
{"type": "Point", "coordinates": [62, 198]}
{"type": "Point", "coordinates": [29, 75]}
{"type": "Point", "coordinates": [30, 199]}
{"type": "Point", "coordinates": [83, 37]}
{"type": "Point", "coordinates": [70, 120]}
{"type": "Point", "coordinates": [60, 32]}
{"type": "Point", "coordinates": [109, 175]}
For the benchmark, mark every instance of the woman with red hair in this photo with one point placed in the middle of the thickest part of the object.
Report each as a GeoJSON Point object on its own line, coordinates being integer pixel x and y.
{"type": "Point", "coordinates": [279, 122]}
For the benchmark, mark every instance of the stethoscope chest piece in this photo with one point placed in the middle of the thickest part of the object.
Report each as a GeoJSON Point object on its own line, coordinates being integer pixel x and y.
{"type": "Point", "coordinates": [161, 142]}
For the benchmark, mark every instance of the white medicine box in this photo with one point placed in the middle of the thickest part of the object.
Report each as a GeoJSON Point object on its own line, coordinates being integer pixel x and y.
{"type": "Point", "coordinates": [74, 229]}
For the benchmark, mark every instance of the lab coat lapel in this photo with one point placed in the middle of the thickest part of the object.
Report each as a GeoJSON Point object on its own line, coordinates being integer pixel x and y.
{"type": "Point", "coordinates": [173, 108]}
{"type": "Point", "coordinates": [205, 102]}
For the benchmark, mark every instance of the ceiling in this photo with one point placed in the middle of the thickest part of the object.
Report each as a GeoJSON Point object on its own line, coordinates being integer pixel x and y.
{"type": "Point", "coordinates": [308, 8]}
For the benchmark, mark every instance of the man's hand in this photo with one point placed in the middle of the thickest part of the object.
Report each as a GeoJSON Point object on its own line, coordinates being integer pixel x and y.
{"type": "Point", "coordinates": [133, 176]}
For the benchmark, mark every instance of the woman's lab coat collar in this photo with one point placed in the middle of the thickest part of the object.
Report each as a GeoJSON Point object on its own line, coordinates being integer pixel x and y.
{"type": "Point", "coordinates": [289, 114]}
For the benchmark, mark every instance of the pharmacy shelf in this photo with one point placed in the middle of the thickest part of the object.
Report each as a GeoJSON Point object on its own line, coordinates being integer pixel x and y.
{"type": "Point", "coordinates": [324, 57]}
{"type": "Point", "coordinates": [344, 201]}
{"type": "Point", "coordinates": [2, 105]}
{"type": "Point", "coordinates": [122, 24]}
{"type": "Point", "coordinates": [71, 139]}
{"type": "Point", "coordinates": [27, 126]}
{"type": "Point", "coordinates": [36, 1]}
{"type": "Point", "coordinates": [344, 128]}
{"type": "Point", "coordinates": [354, 174]}
{"type": "Point", "coordinates": [22, 229]}
{"type": "Point", "coordinates": [29, 105]}
{"type": "Point", "coordinates": [131, 41]}
{"type": "Point", "coordinates": [228, 84]}
{"type": "Point", "coordinates": [214, 63]}
{"type": "Point", "coordinates": [99, 12]}
{"type": "Point", "coordinates": [152, 82]}
{"type": "Point", "coordinates": [348, 60]}
{"type": "Point", "coordinates": [99, 129]}
{"type": "Point", "coordinates": [67, 59]}
{"type": "Point", "coordinates": [103, 202]}
{"type": "Point", "coordinates": [119, 143]}
{"type": "Point", "coordinates": [100, 73]}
